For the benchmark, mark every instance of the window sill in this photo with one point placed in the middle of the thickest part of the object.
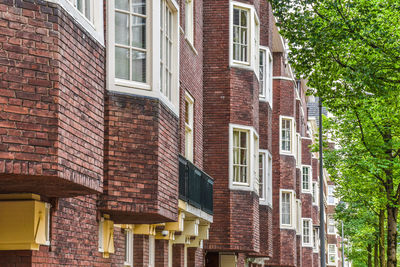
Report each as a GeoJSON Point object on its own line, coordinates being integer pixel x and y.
{"type": "Point", "coordinates": [287, 227]}
{"type": "Point", "coordinates": [306, 192]}
{"type": "Point", "coordinates": [191, 46]}
{"type": "Point", "coordinates": [133, 85]}
{"type": "Point", "coordinates": [307, 245]}
{"type": "Point", "coordinates": [286, 153]}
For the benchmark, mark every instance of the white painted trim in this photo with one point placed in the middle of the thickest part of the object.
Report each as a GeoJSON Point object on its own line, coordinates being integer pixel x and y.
{"type": "Point", "coordinates": [152, 87]}
{"type": "Point", "coordinates": [310, 182]}
{"type": "Point", "coordinates": [316, 202]}
{"type": "Point", "coordinates": [267, 201]}
{"type": "Point", "coordinates": [292, 209]}
{"type": "Point", "coordinates": [332, 262]}
{"type": "Point", "coordinates": [95, 28]}
{"type": "Point", "coordinates": [129, 247]}
{"type": "Point", "coordinates": [311, 229]}
{"type": "Point", "coordinates": [293, 134]}
{"type": "Point", "coordinates": [284, 78]}
{"type": "Point", "coordinates": [251, 64]}
{"type": "Point", "coordinates": [268, 65]}
{"type": "Point", "coordinates": [242, 186]}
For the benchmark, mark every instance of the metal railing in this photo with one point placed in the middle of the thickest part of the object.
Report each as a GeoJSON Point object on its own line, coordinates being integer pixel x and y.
{"type": "Point", "coordinates": [195, 186]}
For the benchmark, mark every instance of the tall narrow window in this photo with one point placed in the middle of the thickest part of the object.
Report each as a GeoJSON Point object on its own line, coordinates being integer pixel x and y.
{"type": "Point", "coordinates": [240, 156]}
{"type": "Point", "coordinates": [128, 247]}
{"type": "Point", "coordinates": [298, 217]}
{"type": "Point", "coordinates": [189, 20]}
{"type": "Point", "coordinates": [262, 69]}
{"type": "Point", "coordinates": [331, 196]}
{"type": "Point", "coordinates": [152, 248]}
{"type": "Point", "coordinates": [269, 180]}
{"type": "Point", "coordinates": [315, 239]}
{"type": "Point", "coordinates": [306, 179]}
{"type": "Point", "coordinates": [189, 103]}
{"type": "Point", "coordinates": [286, 208]}
{"type": "Point", "coordinates": [298, 150]}
{"type": "Point", "coordinates": [286, 135]}
{"type": "Point", "coordinates": [130, 40]}
{"type": "Point", "coordinates": [331, 253]}
{"type": "Point", "coordinates": [240, 34]}
{"type": "Point", "coordinates": [315, 193]}
{"type": "Point", "coordinates": [306, 232]}
{"type": "Point", "coordinates": [166, 44]}
{"type": "Point", "coordinates": [262, 175]}
{"type": "Point", "coordinates": [47, 220]}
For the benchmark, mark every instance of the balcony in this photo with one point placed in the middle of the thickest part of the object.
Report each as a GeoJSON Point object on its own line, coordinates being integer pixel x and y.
{"type": "Point", "coordinates": [195, 186]}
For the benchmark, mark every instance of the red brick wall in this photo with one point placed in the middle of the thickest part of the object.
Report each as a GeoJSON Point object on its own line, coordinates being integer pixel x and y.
{"type": "Point", "coordinates": [141, 160]}
{"type": "Point", "coordinates": [48, 99]}
{"type": "Point", "coordinates": [141, 250]}
{"type": "Point", "coordinates": [195, 257]}
{"type": "Point", "coordinates": [161, 253]}
{"type": "Point", "coordinates": [178, 255]}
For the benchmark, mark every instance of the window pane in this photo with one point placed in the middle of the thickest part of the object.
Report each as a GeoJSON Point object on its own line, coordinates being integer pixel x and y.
{"type": "Point", "coordinates": [243, 140]}
{"type": "Point", "coordinates": [79, 5]}
{"type": "Point", "coordinates": [122, 63]}
{"type": "Point", "coordinates": [138, 66]}
{"type": "Point", "coordinates": [122, 4]}
{"type": "Point", "coordinates": [243, 18]}
{"type": "Point", "coordinates": [139, 6]}
{"type": "Point", "coordinates": [236, 16]}
{"type": "Point", "coordinates": [138, 32]}
{"type": "Point", "coordinates": [87, 9]}
{"type": "Point", "coordinates": [121, 28]}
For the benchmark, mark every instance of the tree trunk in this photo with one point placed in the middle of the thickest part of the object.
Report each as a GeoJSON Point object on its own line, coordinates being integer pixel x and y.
{"type": "Point", "coordinates": [376, 257]}
{"type": "Point", "coordinates": [381, 242]}
{"type": "Point", "coordinates": [392, 212]}
{"type": "Point", "coordinates": [369, 252]}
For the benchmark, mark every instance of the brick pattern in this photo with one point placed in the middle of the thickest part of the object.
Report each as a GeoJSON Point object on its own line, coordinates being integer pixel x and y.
{"type": "Point", "coordinates": [141, 250]}
{"type": "Point", "coordinates": [178, 256]}
{"type": "Point", "coordinates": [51, 91]}
{"type": "Point", "coordinates": [195, 257]}
{"type": "Point", "coordinates": [141, 160]}
{"type": "Point", "coordinates": [161, 253]}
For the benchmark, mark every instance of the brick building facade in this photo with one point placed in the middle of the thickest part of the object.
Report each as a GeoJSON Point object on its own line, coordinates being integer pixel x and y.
{"type": "Point", "coordinates": [153, 133]}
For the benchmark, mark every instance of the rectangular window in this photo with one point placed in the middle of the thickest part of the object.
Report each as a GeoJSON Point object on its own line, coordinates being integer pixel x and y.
{"type": "Point", "coordinates": [265, 74]}
{"type": "Point", "coordinates": [306, 179]}
{"type": "Point", "coordinates": [152, 248]}
{"type": "Point", "coordinates": [331, 225]}
{"type": "Point", "coordinates": [298, 217]}
{"type": "Point", "coordinates": [262, 174]}
{"type": "Point", "coordinates": [315, 193]}
{"type": "Point", "coordinates": [85, 7]}
{"type": "Point", "coordinates": [298, 150]}
{"type": "Point", "coordinates": [331, 254]}
{"type": "Point", "coordinates": [286, 135]}
{"type": "Point", "coordinates": [331, 196]}
{"type": "Point", "coordinates": [240, 34]}
{"type": "Point", "coordinates": [240, 156]}
{"type": "Point", "coordinates": [128, 247]}
{"type": "Point", "coordinates": [166, 44]}
{"type": "Point", "coordinates": [189, 20]}
{"type": "Point", "coordinates": [315, 239]}
{"type": "Point", "coordinates": [286, 208]}
{"type": "Point", "coordinates": [189, 103]}
{"type": "Point", "coordinates": [130, 40]}
{"type": "Point", "coordinates": [269, 180]}
{"type": "Point", "coordinates": [47, 220]}
{"type": "Point", "coordinates": [306, 232]}
{"type": "Point", "coordinates": [101, 235]}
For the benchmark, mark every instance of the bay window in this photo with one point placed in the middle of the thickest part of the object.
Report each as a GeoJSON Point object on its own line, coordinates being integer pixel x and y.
{"type": "Point", "coordinates": [315, 193]}
{"type": "Point", "coordinates": [286, 135]}
{"type": "Point", "coordinates": [265, 76]}
{"type": "Point", "coordinates": [331, 225]}
{"type": "Point", "coordinates": [315, 239]}
{"type": "Point", "coordinates": [189, 20]}
{"type": "Point", "coordinates": [143, 44]}
{"type": "Point", "coordinates": [128, 247]}
{"type": "Point", "coordinates": [306, 236]}
{"type": "Point", "coordinates": [306, 179]}
{"type": "Point", "coordinates": [244, 158]}
{"type": "Point", "coordinates": [245, 36]}
{"type": "Point", "coordinates": [298, 217]}
{"type": "Point", "coordinates": [85, 7]}
{"type": "Point", "coordinates": [287, 201]}
{"type": "Point", "coordinates": [331, 196]}
{"type": "Point", "coordinates": [298, 150]}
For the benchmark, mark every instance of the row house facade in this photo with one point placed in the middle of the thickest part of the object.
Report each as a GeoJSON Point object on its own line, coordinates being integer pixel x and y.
{"type": "Point", "coordinates": [154, 133]}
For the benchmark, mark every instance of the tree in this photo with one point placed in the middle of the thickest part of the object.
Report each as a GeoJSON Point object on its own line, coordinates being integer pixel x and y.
{"type": "Point", "coordinates": [349, 50]}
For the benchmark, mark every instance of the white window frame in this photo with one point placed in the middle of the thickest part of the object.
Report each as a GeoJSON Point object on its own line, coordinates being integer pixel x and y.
{"type": "Point", "coordinates": [267, 85]}
{"type": "Point", "coordinates": [315, 193]}
{"type": "Point", "coordinates": [292, 135]}
{"type": "Point", "coordinates": [253, 38]}
{"type": "Point", "coordinates": [331, 225]}
{"type": "Point", "coordinates": [128, 247]}
{"type": "Point", "coordinates": [101, 235]}
{"type": "Point", "coordinates": [298, 150]}
{"type": "Point", "coordinates": [332, 253]}
{"type": "Point", "coordinates": [304, 190]}
{"type": "Point", "coordinates": [253, 138]}
{"type": "Point", "coordinates": [189, 128]}
{"type": "Point", "coordinates": [315, 239]}
{"type": "Point", "coordinates": [47, 219]}
{"type": "Point", "coordinates": [152, 87]}
{"type": "Point", "coordinates": [189, 21]}
{"type": "Point", "coordinates": [298, 217]}
{"type": "Point", "coordinates": [331, 195]}
{"type": "Point", "coordinates": [291, 225]}
{"type": "Point", "coordinates": [94, 26]}
{"type": "Point", "coordinates": [267, 178]}
{"type": "Point", "coordinates": [310, 232]}
{"type": "Point", "coordinates": [152, 251]}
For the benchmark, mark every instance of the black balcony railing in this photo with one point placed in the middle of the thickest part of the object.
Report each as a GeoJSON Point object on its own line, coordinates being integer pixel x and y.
{"type": "Point", "coordinates": [195, 186]}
